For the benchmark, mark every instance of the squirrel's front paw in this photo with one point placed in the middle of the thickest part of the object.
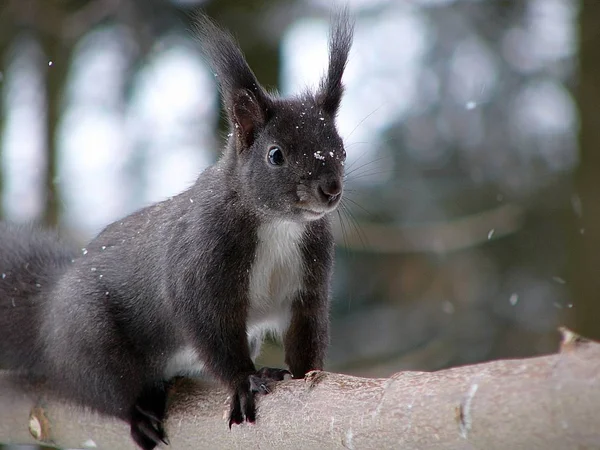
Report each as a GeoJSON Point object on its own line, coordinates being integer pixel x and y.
{"type": "Point", "coordinates": [261, 382]}
{"type": "Point", "coordinates": [242, 403]}
{"type": "Point", "coordinates": [243, 406]}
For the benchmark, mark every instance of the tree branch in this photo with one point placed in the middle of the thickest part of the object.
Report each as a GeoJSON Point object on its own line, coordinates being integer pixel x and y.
{"type": "Point", "coordinates": [548, 402]}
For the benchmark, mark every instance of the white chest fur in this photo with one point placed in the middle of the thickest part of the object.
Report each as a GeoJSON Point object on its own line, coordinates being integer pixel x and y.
{"type": "Point", "coordinates": [276, 276]}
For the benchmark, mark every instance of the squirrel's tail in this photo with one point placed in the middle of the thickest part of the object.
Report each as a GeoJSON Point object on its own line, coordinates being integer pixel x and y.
{"type": "Point", "coordinates": [31, 260]}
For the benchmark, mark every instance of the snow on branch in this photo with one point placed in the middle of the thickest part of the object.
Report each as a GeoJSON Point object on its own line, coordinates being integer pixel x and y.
{"type": "Point", "coordinates": [548, 402]}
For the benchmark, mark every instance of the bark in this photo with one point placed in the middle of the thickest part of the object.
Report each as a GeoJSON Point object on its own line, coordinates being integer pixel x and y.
{"type": "Point", "coordinates": [548, 402]}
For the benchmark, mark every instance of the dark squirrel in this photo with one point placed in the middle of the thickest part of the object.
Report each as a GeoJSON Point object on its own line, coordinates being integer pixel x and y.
{"type": "Point", "coordinates": [191, 285]}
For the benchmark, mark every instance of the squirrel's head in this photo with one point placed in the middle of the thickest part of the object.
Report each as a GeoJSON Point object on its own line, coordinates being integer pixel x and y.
{"type": "Point", "coordinates": [286, 153]}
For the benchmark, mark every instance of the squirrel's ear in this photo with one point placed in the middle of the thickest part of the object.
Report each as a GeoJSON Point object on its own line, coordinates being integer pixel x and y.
{"type": "Point", "coordinates": [244, 99]}
{"type": "Point", "coordinates": [247, 116]}
{"type": "Point", "coordinates": [331, 89]}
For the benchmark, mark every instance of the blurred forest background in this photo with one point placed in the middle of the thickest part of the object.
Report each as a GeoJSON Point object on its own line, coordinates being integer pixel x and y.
{"type": "Point", "coordinates": [472, 127]}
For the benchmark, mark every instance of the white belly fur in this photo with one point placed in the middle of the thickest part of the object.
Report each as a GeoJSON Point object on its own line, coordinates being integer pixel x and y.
{"type": "Point", "coordinates": [276, 276]}
{"type": "Point", "coordinates": [185, 362]}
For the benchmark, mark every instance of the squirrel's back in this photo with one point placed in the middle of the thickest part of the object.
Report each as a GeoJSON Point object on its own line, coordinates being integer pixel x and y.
{"type": "Point", "coordinates": [31, 260]}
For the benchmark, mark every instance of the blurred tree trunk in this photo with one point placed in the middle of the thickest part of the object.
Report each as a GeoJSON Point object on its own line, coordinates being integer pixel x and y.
{"type": "Point", "coordinates": [58, 53]}
{"type": "Point", "coordinates": [3, 62]}
{"type": "Point", "coordinates": [585, 263]}
{"type": "Point", "coordinates": [6, 34]}
{"type": "Point", "coordinates": [47, 20]}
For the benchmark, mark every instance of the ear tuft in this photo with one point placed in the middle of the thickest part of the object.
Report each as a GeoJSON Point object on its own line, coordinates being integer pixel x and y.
{"type": "Point", "coordinates": [331, 89]}
{"type": "Point", "coordinates": [248, 116]}
{"type": "Point", "coordinates": [244, 99]}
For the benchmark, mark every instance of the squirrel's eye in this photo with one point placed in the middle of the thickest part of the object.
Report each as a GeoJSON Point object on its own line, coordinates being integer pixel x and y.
{"type": "Point", "coordinates": [276, 156]}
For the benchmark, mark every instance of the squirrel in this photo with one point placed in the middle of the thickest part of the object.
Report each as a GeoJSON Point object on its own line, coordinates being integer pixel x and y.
{"type": "Point", "coordinates": [192, 284]}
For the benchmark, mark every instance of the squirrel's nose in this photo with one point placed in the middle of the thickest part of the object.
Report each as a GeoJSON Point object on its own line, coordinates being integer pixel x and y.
{"type": "Point", "coordinates": [330, 190]}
